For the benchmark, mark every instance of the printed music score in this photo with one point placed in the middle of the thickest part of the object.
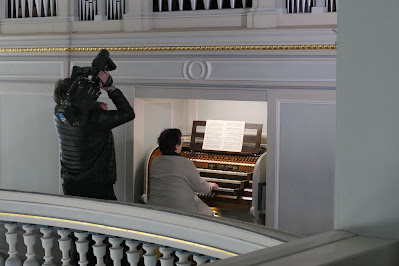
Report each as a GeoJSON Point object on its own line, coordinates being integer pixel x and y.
{"type": "Point", "coordinates": [223, 135]}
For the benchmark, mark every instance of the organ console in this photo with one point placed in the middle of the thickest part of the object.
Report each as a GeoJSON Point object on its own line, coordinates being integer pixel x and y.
{"type": "Point", "coordinates": [240, 175]}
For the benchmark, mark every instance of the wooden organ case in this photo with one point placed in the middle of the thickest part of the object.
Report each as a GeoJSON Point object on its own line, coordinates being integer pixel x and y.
{"type": "Point", "coordinates": [241, 176]}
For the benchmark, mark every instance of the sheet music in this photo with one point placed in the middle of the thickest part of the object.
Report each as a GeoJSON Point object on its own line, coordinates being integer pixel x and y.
{"type": "Point", "coordinates": [223, 135]}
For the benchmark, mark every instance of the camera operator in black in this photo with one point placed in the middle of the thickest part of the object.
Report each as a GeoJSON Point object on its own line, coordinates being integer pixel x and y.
{"type": "Point", "coordinates": [87, 152]}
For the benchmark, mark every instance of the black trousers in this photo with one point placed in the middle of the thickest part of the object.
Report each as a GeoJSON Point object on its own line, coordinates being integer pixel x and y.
{"type": "Point", "coordinates": [89, 190]}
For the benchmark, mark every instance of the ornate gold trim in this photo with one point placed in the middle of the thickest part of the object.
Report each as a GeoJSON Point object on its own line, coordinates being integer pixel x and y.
{"type": "Point", "coordinates": [174, 48]}
{"type": "Point", "coordinates": [34, 217]}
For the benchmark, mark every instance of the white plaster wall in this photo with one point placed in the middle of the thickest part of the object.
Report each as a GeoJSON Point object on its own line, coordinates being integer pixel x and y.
{"type": "Point", "coordinates": [367, 169]}
{"type": "Point", "coordinates": [28, 142]}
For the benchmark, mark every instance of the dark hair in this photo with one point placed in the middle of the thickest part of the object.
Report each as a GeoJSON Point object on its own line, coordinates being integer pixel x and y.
{"type": "Point", "coordinates": [168, 140]}
{"type": "Point", "coordinates": [61, 88]}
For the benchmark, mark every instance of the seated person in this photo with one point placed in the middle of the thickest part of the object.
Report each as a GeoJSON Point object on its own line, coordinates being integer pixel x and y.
{"type": "Point", "coordinates": [175, 179]}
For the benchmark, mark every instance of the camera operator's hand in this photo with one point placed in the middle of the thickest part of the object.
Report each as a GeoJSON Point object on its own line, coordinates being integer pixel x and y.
{"type": "Point", "coordinates": [105, 80]}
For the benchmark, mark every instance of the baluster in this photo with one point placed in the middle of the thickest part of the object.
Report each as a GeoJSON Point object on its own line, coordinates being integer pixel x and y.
{"type": "Point", "coordinates": [116, 251]}
{"type": "Point", "coordinates": [150, 257]}
{"type": "Point", "coordinates": [65, 246]}
{"type": "Point", "coordinates": [244, 3]}
{"type": "Point", "coordinates": [297, 6]}
{"type": "Point", "coordinates": [99, 249]}
{"type": "Point", "coordinates": [11, 239]}
{"type": "Point", "coordinates": [220, 4]}
{"type": "Point", "coordinates": [29, 241]}
{"type": "Point", "coordinates": [207, 4]}
{"type": "Point", "coordinates": [199, 259]}
{"type": "Point", "coordinates": [45, 7]}
{"type": "Point", "coordinates": [232, 3]}
{"type": "Point", "coordinates": [82, 247]}
{"type": "Point", "coordinates": [1, 260]}
{"type": "Point", "coordinates": [193, 4]}
{"type": "Point", "coordinates": [336, 5]}
{"type": "Point", "coordinates": [39, 7]}
{"type": "Point", "coordinates": [170, 5]}
{"type": "Point", "coordinates": [167, 259]}
{"type": "Point", "coordinates": [47, 243]}
{"type": "Point", "coordinates": [133, 255]}
{"type": "Point", "coordinates": [309, 3]}
{"type": "Point", "coordinates": [183, 258]}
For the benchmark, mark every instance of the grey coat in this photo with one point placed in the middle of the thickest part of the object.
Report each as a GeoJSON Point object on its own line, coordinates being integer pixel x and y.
{"type": "Point", "coordinates": [174, 181]}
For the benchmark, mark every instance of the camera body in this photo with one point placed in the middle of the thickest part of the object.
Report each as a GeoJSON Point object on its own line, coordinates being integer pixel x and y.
{"type": "Point", "coordinates": [85, 90]}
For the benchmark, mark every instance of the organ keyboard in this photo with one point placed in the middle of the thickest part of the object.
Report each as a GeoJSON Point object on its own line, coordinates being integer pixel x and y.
{"type": "Point", "coordinates": [236, 173]}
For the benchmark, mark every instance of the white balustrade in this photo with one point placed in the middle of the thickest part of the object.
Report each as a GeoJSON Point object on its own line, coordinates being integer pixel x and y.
{"type": "Point", "coordinates": [206, 4]}
{"type": "Point", "coordinates": [199, 259]}
{"type": "Point", "coordinates": [47, 243]}
{"type": "Point", "coordinates": [149, 252]}
{"type": "Point", "coordinates": [183, 258]}
{"type": "Point", "coordinates": [99, 249]}
{"type": "Point", "coordinates": [35, 8]}
{"type": "Point", "coordinates": [167, 258]}
{"type": "Point", "coordinates": [82, 247]}
{"type": "Point", "coordinates": [150, 257]}
{"type": "Point", "coordinates": [29, 241]}
{"type": "Point", "coordinates": [116, 251]}
{"type": "Point", "coordinates": [133, 255]}
{"type": "Point", "coordinates": [11, 239]}
{"type": "Point", "coordinates": [65, 245]}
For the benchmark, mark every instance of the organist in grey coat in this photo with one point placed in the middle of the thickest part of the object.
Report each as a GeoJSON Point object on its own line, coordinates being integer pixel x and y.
{"type": "Point", "coordinates": [175, 179]}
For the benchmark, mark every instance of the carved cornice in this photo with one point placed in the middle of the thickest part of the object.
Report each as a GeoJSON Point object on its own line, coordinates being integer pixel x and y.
{"type": "Point", "coordinates": [174, 48]}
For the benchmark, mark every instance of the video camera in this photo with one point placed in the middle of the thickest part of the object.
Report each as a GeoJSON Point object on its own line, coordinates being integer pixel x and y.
{"type": "Point", "coordinates": [85, 89]}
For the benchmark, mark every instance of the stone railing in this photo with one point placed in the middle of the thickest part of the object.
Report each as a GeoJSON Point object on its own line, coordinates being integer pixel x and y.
{"type": "Point", "coordinates": [57, 230]}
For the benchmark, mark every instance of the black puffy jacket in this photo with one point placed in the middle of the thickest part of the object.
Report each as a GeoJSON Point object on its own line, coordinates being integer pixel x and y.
{"type": "Point", "coordinates": [87, 153]}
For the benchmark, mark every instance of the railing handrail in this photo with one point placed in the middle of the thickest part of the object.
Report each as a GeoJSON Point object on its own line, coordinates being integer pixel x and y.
{"type": "Point", "coordinates": [219, 238]}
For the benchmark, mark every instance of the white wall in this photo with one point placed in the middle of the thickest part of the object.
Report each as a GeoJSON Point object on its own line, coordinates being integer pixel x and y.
{"type": "Point", "coordinates": [367, 168]}
{"type": "Point", "coordinates": [29, 145]}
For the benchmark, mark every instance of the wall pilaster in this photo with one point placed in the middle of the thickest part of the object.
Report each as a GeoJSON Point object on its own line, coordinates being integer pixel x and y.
{"type": "Point", "coordinates": [263, 14]}
{"type": "Point", "coordinates": [138, 15]}
{"type": "Point", "coordinates": [319, 6]}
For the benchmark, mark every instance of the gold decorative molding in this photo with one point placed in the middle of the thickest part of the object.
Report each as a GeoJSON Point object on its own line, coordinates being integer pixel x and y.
{"type": "Point", "coordinates": [116, 229]}
{"type": "Point", "coordinates": [175, 48]}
